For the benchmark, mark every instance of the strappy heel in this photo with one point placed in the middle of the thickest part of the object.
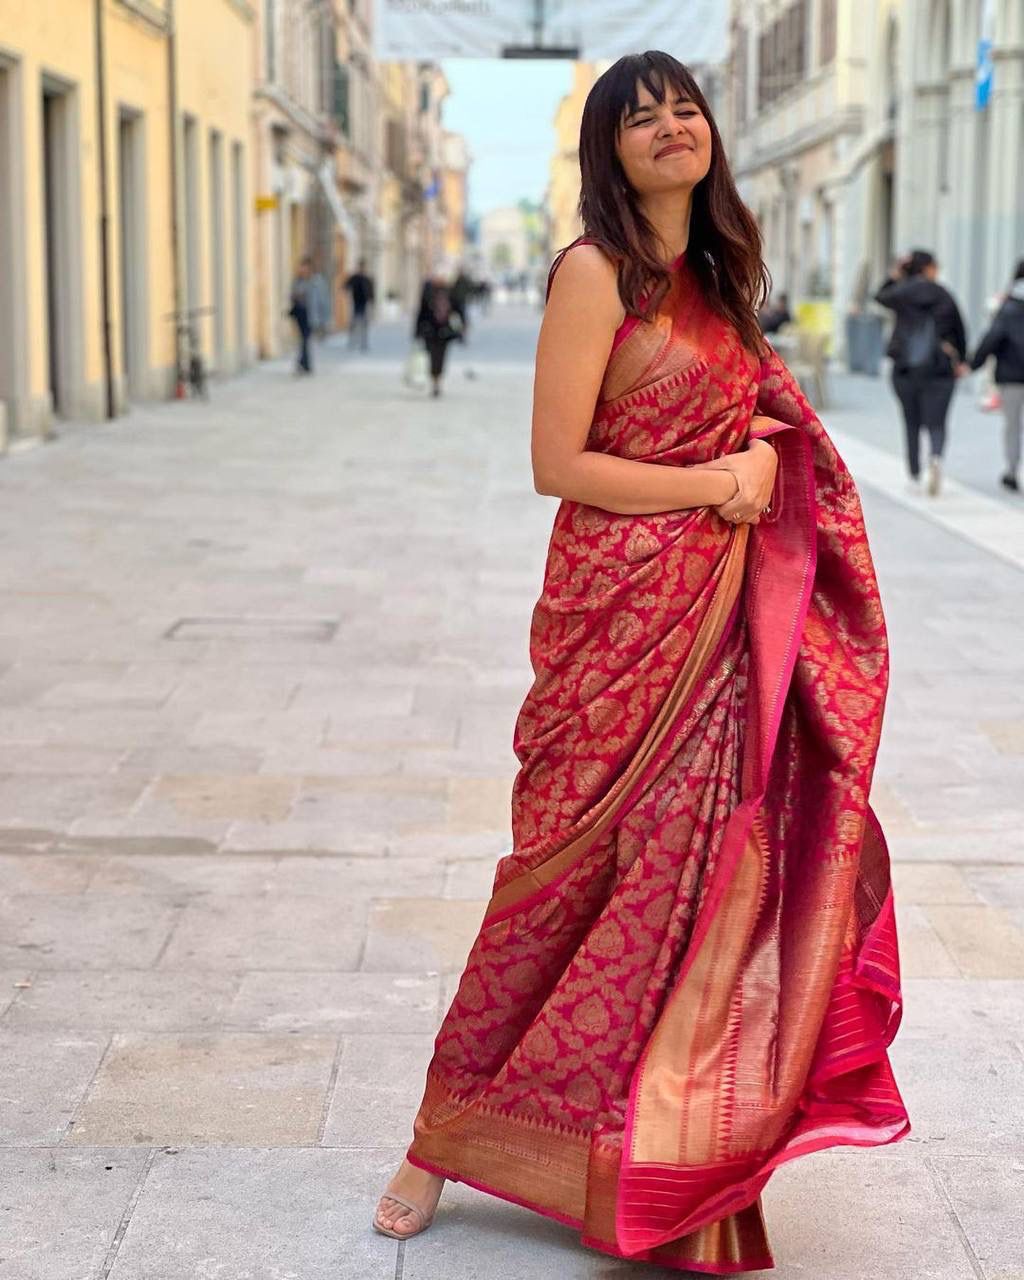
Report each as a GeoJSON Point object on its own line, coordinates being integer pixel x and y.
{"type": "Point", "coordinates": [424, 1220]}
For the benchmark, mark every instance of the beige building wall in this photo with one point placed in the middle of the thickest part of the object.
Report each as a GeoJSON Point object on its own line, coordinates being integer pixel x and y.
{"type": "Point", "coordinates": [811, 124]}
{"type": "Point", "coordinates": [53, 361]}
{"type": "Point", "coordinates": [563, 192]}
{"type": "Point", "coordinates": [454, 196]}
{"type": "Point", "coordinates": [292, 141]}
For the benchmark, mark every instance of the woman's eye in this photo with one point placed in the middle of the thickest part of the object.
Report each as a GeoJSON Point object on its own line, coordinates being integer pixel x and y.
{"type": "Point", "coordinates": [689, 112]}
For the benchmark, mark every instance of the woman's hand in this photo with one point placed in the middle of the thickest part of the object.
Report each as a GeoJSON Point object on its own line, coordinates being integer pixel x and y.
{"type": "Point", "coordinates": [754, 470]}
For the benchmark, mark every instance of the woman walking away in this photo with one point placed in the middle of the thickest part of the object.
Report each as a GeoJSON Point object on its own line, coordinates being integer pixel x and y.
{"type": "Point", "coordinates": [1005, 341]}
{"type": "Point", "coordinates": [928, 347]}
{"type": "Point", "coordinates": [302, 306]}
{"type": "Point", "coordinates": [687, 972]}
{"type": "Point", "coordinates": [437, 325]}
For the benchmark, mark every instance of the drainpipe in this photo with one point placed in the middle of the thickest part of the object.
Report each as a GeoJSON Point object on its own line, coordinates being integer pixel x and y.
{"type": "Point", "coordinates": [101, 112]}
{"type": "Point", "coordinates": [172, 116]}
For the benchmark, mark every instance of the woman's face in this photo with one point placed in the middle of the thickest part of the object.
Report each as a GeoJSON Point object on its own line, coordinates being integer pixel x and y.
{"type": "Point", "coordinates": [664, 145]}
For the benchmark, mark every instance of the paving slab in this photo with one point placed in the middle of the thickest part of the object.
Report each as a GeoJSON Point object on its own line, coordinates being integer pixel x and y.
{"type": "Point", "coordinates": [95, 931]}
{"type": "Point", "coordinates": [378, 1090]}
{"type": "Point", "coordinates": [216, 1089]}
{"type": "Point", "coordinates": [267, 931]}
{"type": "Point", "coordinates": [968, 1010]}
{"type": "Point", "coordinates": [123, 1000]}
{"type": "Point", "coordinates": [61, 1209]}
{"type": "Point", "coordinates": [417, 934]}
{"type": "Point", "coordinates": [858, 1215]}
{"type": "Point", "coordinates": [182, 874]}
{"type": "Point", "coordinates": [46, 873]}
{"type": "Point", "coordinates": [44, 1078]}
{"type": "Point", "coordinates": [983, 941]}
{"type": "Point", "coordinates": [259, 1215]}
{"type": "Point", "coordinates": [962, 1103]}
{"type": "Point", "coordinates": [356, 1003]}
{"type": "Point", "coordinates": [986, 1194]}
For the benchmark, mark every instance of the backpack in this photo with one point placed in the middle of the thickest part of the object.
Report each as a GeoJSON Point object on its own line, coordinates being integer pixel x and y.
{"type": "Point", "coordinates": [921, 347]}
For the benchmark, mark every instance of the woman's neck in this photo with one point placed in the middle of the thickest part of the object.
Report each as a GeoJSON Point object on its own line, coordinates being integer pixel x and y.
{"type": "Point", "coordinates": [668, 212]}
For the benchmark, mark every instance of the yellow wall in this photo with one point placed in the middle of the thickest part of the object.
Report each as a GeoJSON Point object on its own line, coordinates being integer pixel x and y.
{"type": "Point", "coordinates": [564, 183]}
{"type": "Point", "coordinates": [453, 185]}
{"type": "Point", "coordinates": [53, 44]}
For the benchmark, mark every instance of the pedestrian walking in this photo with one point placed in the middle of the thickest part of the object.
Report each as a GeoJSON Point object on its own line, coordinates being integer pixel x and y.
{"type": "Point", "coordinates": [1005, 341]}
{"type": "Point", "coordinates": [319, 303]}
{"type": "Point", "coordinates": [928, 348]}
{"type": "Point", "coordinates": [362, 295]}
{"type": "Point", "coordinates": [461, 292]}
{"type": "Point", "coordinates": [687, 971]}
{"type": "Point", "coordinates": [302, 295]}
{"type": "Point", "coordinates": [437, 326]}
{"type": "Point", "coordinates": [775, 314]}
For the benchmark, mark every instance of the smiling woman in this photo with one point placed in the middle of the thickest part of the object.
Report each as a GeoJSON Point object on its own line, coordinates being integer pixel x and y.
{"type": "Point", "coordinates": [687, 972]}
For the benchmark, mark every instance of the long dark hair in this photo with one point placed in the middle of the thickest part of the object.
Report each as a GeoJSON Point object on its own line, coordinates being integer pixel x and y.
{"type": "Point", "coordinates": [724, 250]}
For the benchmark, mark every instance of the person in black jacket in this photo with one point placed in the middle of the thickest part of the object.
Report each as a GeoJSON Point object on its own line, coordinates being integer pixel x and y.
{"type": "Point", "coordinates": [928, 348]}
{"type": "Point", "coordinates": [1005, 341]}
{"type": "Point", "coordinates": [437, 324]}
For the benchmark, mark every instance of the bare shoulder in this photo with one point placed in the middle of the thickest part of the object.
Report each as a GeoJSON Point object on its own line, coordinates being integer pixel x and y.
{"type": "Point", "coordinates": [587, 277]}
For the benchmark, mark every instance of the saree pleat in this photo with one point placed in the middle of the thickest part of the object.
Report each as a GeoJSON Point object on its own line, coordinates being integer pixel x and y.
{"type": "Point", "coordinates": [687, 973]}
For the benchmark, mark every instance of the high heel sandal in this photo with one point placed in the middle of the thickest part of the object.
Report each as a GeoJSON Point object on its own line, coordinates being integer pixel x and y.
{"type": "Point", "coordinates": [424, 1220]}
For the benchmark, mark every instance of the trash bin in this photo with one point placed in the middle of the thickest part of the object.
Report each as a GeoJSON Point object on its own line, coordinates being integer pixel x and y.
{"type": "Point", "coordinates": [864, 343]}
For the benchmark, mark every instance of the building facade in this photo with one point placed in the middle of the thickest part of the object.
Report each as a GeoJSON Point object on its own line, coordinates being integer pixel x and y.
{"type": "Point", "coordinates": [293, 144]}
{"type": "Point", "coordinates": [455, 197]}
{"type": "Point", "coordinates": [811, 130]}
{"type": "Point", "coordinates": [164, 166]}
{"type": "Point", "coordinates": [563, 192]}
{"type": "Point", "coordinates": [124, 135]}
{"type": "Point", "coordinates": [856, 134]}
{"type": "Point", "coordinates": [959, 186]}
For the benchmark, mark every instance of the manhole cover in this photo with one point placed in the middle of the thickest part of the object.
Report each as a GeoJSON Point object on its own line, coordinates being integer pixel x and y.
{"type": "Point", "coordinates": [318, 630]}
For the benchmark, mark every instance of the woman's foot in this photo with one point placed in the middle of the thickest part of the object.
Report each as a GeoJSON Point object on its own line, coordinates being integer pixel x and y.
{"type": "Point", "coordinates": [422, 1188]}
{"type": "Point", "coordinates": [934, 477]}
{"type": "Point", "coordinates": [1009, 481]}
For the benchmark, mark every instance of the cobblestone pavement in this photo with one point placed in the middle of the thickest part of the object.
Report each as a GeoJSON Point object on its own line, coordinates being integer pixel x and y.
{"type": "Point", "coordinates": [259, 663]}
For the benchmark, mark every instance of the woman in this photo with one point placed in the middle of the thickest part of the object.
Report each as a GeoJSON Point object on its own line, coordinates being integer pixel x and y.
{"type": "Point", "coordinates": [437, 324]}
{"type": "Point", "coordinates": [928, 348]}
{"type": "Point", "coordinates": [302, 304]}
{"type": "Point", "coordinates": [687, 971]}
{"type": "Point", "coordinates": [1005, 341]}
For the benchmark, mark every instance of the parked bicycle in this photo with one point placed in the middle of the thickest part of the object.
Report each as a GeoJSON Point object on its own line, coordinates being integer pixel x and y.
{"type": "Point", "coordinates": [191, 370]}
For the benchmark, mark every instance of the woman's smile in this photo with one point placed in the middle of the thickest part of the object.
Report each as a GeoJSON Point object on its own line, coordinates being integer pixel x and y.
{"type": "Point", "coordinates": [672, 149]}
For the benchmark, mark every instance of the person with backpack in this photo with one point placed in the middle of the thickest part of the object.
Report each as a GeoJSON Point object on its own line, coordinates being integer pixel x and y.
{"type": "Point", "coordinates": [1005, 341]}
{"type": "Point", "coordinates": [928, 348]}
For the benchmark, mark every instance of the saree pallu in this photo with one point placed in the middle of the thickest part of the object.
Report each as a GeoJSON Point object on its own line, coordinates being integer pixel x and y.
{"type": "Point", "coordinates": [687, 973]}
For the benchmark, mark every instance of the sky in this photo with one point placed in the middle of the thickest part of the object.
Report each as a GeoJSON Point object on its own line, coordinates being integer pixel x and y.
{"type": "Point", "coordinates": [505, 109]}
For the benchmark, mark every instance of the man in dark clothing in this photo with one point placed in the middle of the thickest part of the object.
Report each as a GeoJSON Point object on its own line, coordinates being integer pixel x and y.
{"type": "Point", "coordinates": [461, 291]}
{"type": "Point", "coordinates": [928, 347]}
{"type": "Point", "coordinates": [773, 316]}
{"type": "Point", "coordinates": [1005, 341]}
{"type": "Point", "coordinates": [301, 307]}
{"type": "Point", "coordinates": [361, 291]}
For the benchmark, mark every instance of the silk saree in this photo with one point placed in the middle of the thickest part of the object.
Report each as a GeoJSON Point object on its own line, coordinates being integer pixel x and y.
{"type": "Point", "coordinates": [687, 973]}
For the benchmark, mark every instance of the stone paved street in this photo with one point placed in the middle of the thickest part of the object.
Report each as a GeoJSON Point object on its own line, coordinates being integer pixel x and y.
{"type": "Point", "coordinates": [259, 664]}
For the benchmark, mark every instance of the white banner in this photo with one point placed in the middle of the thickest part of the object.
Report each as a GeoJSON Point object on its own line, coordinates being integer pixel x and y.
{"type": "Point", "coordinates": [694, 31]}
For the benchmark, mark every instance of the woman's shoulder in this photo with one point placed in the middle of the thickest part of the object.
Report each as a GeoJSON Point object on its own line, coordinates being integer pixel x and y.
{"type": "Point", "coordinates": [584, 264]}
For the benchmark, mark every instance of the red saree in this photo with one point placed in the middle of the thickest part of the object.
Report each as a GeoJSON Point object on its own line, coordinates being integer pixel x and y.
{"type": "Point", "coordinates": [687, 973]}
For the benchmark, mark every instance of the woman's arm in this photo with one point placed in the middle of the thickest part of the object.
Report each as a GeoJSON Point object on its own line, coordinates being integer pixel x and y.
{"type": "Point", "coordinates": [990, 343]}
{"type": "Point", "coordinates": [582, 315]}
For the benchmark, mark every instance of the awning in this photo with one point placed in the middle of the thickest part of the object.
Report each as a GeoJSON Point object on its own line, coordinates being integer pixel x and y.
{"type": "Point", "coordinates": [341, 215]}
